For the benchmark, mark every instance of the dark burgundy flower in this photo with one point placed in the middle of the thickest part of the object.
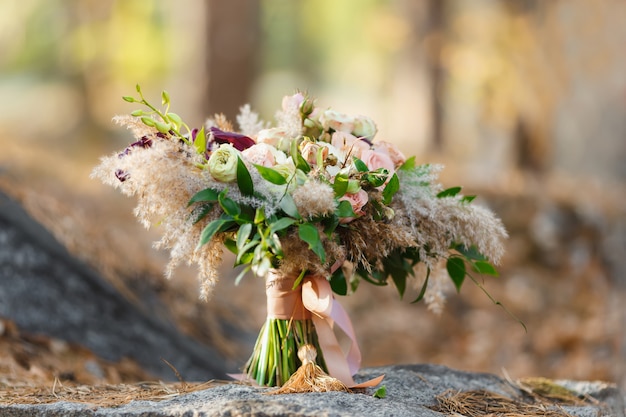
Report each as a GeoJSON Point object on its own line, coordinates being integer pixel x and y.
{"type": "Point", "coordinates": [122, 175]}
{"type": "Point", "coordinates": [239, 141]}
{"type": "Point", "coordinates": [145, 142]}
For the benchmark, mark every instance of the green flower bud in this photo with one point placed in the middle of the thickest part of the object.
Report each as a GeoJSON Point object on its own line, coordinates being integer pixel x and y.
{"type": "Point", "coordinates": [129, 99]}
{"type": "Point", "coordinates": [148, 121]}
{"type": "Point", "coordinates": [174, 118]}
{"type": "Point", "coordinates": [165, 97]}
{"type": "Point", "coordinates": [137, 113]}
{"type": "Point", "coordinates": [163, 127]}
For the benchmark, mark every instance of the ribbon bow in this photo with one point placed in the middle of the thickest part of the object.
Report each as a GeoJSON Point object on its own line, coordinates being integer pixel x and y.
{"type": "Point", "coordinates": [317, 297]}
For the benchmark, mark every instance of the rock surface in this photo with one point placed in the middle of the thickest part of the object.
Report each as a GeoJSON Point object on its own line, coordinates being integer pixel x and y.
{"type": "Point", "coordinates": [46, 290]}
{"type": "Point", "coordinates": [411, 391]}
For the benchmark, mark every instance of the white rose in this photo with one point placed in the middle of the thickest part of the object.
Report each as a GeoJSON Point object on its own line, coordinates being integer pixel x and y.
{"type": "Point", "coordinates": [275, 136]}
{"type": "Point", "coordinates": [364, 127]}
{"type": "Point", "coordinates": [223, 163]}
{"type": "Point", "coordinates": [331, 119]}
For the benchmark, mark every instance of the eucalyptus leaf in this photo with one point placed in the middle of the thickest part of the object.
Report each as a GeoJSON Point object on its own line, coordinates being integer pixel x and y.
{"type": "Point", "coordinates": [344, 209]}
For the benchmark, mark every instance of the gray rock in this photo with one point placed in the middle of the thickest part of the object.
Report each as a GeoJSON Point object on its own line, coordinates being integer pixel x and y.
{"type": "Point", "coordinates": [411, 390]}
{"type": "Point", "coordinates": [44, 289]}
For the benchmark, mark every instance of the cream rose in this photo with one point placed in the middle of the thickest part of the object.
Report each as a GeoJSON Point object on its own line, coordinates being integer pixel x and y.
{"type": "Point", "coordinates": [331, 119]}
{"type": "Point", "coordinates": [223, 163]}
{"type": "Point", "coordinates": [276, 137]}
{"type": "Point", "coordinates": [364, 127]}
{"type": "Point", "coordinates": [310, 150]}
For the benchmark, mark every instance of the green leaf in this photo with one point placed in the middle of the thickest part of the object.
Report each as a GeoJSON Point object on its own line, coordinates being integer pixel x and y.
{"type": "Point", "coordinates": [259, 215]}
{"type": "Point", "coordinates": [399, 279]}
{"type": "Point", "coordinates": [208, 195]}
{"type": "Point", "coordinates": [360, 165]}
{"type": "Point", "coordinates": [298, 159]}
{"type": "Point", "coordinates": [271, 175]}
{"type": "Point", "coordinates": [199, 142]}
{"type": "Point", "coordinates": [450, 192]}
{"type": "Point", "coordinates": [344, 209]}
{"type": "Point", "coordinates": [281, 224]}
{"type": "Point", "coordinates": [470, 253]}
{"type": "Point", "coordinates": [242, 255]}
{"type": "Point", "coordinates": [380, 392]}
{"type": "Point", "coordinates": [244, 180]}
{"type": "Point", "coordinates": [338, 282]}
{"type": "Point", "coordinates": [231, 245]}
{"type": "Point", "coordinates": [212, 228]}
{"type": "Point", "coordinates": [299, 279]}
{"type": "Point", "coordinates": [229, 206]}
{"type": "Point", "coordinates": [408, 165]}
{"type": "Point", "coordinates": [202, 212]}
{"type": "Point", "coordinates": [165, 97]}
{"type": "Point", "coordinates": [377, 178]}
{"type": "Point", "coordinates": [289, 206]}
{"type": "Point", "coordinates": [309, 234]}
{"type": "Point", "coordinates": [391, 189]}
{"type": "Point", "coordinates": [468, 199]}
{"type": "Point", "coordinates": [420, 296]}
{"type": "Point", "coordinates": [175, 119]}
{"type": "Point", "coordinates": [486, 268]}
{"type": "Point", "coordinates": [456, 270]}
{"type": "Point", "coordinates": [243, 234]}
{"type": "Point", "coordinates": [242, 274]}
{"type": "Point", "coordinates": [340, 186]}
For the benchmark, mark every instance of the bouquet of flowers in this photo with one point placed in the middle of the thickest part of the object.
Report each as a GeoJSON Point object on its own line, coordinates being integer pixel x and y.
{"type": "Point", "coordinates": [313, 204]}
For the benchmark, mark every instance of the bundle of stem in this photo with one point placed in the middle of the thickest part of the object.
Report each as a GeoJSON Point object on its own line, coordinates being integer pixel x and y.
{"type": "Point", "coordinates": [274, 358]}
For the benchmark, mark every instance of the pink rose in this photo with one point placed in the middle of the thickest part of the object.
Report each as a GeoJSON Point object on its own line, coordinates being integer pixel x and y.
{"type": "Point", "coordinates": [260, 154]}
{"type": "Point", "coordinates": [392, 151]}
{"type": "Point", "coordinates": [348, 144]}
{"type": "Point", "coordinates": [357, 201]}
{"type": "Point", "coordinates": [375, 159]}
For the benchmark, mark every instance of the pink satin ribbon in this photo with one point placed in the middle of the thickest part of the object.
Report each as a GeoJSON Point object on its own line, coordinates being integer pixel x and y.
{"type": "Point", "coordinates": [315, 300]}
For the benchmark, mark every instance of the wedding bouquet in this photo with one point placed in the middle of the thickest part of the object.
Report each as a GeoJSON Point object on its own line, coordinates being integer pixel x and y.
{"type": "Point", "coordinates": [313, 204]}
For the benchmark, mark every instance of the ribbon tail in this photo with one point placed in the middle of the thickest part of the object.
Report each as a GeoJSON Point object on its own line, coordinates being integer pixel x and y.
{"type": "Point", "coordinates": [333, 355]}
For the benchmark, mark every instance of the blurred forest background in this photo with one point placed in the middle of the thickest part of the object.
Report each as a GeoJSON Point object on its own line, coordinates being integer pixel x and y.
{"type": "Point", "coordinates": [523, 101]}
